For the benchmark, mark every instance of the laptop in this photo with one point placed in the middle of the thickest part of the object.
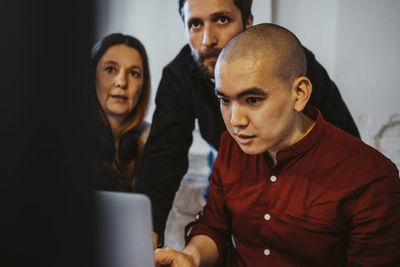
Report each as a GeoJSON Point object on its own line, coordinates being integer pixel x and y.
{"type": "Point", "coordinates": [123, 230]}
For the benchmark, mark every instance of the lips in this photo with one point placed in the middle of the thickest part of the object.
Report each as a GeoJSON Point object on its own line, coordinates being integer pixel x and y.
{"type": "Point", "coordinates": [119, 97]}
{"type": "Point", "coordinates": [244, 139]}
{"type": "Point", "coordinates": [209, 54]}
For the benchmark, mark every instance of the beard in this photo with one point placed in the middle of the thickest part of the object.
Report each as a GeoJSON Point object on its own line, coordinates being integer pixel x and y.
{"type": "Point", "coordinates": [207, 67]}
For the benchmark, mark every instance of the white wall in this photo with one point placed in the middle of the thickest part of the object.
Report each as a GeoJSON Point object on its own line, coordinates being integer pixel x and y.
{"type": "Point", "coordinates": [357, 42]}
{"type": "Point", "coordinates": [314, 23]}
{"type": "Point", "coordinates": [368, 69]}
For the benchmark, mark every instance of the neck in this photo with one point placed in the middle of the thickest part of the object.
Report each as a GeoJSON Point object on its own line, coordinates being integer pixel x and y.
{"type": "Point", "coordinates": [114, 122]}
{"type": "Point", "coordinates": [302, 127]}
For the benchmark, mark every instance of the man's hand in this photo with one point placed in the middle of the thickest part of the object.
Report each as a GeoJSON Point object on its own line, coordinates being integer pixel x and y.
{"type": "Point", "coordinates": [173, 258]}
{"type": "Point", "coordinates": [201, 249]}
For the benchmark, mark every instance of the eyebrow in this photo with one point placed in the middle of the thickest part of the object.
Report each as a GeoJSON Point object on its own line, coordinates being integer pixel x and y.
{"type": "Point", "coordinates": [115, 63]}
{"type": "Point", "coordinates": [221, 13]}
{"type": "Point", "coordinates": [110, 62]}
{"type": "Point", "coordinates": [213, 15]}
{"type": "Point", "coordinates": [250, 91]}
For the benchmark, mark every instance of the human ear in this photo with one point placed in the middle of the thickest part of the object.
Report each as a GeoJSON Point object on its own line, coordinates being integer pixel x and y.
{"type": "Point", "coordinates": [303, 88]}
{"type": "Point", "coordinates": [249, 21]}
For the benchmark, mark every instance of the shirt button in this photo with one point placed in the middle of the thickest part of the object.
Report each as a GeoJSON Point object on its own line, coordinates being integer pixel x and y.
{"type": "Point", "coordinates": [273, 178]}
{"type": "Point", "coordinates": [267, 217]}
{"type": "Point", "coordinates": [267, 252]}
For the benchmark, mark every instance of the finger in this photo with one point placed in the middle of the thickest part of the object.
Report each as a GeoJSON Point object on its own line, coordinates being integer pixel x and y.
{"type": "Point", "coordinates": [163, 257]}
{"type": "Point", "coordinates": [155, 240]}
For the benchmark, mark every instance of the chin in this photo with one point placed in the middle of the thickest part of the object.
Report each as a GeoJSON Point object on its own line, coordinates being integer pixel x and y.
{"type": "Point", "coordinates": [251, 150]}
{"type": "Point", "coordinates": [118, 112]}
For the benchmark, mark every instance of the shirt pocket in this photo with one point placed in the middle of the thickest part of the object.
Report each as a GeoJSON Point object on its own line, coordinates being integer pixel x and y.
{"type": "Point", "coordinates": [309, 222]}
{"type": "Point", "coordinates": [318, 214]}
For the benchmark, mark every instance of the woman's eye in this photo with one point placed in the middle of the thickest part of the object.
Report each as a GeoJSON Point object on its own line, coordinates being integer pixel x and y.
{"type": "Point", "coordinates": [110, 69]}
{"type": "Point", "coordinates": [135, 74]}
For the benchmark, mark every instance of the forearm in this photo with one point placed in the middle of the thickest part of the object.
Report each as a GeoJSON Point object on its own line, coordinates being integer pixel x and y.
{"type": "Point", "coordinates": [203, 250]}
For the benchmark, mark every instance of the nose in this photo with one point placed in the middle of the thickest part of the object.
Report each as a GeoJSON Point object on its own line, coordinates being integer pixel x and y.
{"type": "Point", "coordinates": [209, 37]}
{"type": "Point", "coordinates": [238, 116]}
{"type": "Point", "coordinates": [122, 80]}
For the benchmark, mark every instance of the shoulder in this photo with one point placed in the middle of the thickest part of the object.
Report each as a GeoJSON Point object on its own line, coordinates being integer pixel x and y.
{"type": "Point", "coordinates": [179, 83]}
{"type": "Point", "coordinates": [310, 58]}
{"type": "Point", "coordinates": [352, 150]}
{"type": "Point", "coordinates": [176, 75]}
{"type": "Point", "coordinates": [308, 52]}
{"type": "Point", "coordinates": [182, 62]}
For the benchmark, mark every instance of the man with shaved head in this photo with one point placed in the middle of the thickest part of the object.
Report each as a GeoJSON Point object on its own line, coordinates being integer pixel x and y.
{"type": "Point", "coordinates": [185, 96]}
{"type": "Point", "coordinates": [290, 188]}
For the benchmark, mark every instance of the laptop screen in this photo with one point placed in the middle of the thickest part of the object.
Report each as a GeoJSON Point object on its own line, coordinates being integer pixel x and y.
{"type": "Point", "coordinates": [123, 230]}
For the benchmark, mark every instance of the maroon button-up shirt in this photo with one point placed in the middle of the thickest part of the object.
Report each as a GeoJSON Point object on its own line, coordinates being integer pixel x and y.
{"type": "Point", "coordinates": [330, 200]}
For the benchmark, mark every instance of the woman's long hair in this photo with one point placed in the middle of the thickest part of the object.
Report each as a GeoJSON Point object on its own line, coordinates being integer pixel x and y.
{"type": "Point", "coordinates": [126, 152]}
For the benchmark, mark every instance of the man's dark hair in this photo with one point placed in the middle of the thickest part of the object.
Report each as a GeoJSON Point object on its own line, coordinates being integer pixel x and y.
{"type": "Point", "coordinates": [243, 5]}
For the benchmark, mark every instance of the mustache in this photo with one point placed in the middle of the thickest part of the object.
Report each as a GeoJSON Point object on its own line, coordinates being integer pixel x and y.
{"type": "Point", "coordinates": [209, 52]}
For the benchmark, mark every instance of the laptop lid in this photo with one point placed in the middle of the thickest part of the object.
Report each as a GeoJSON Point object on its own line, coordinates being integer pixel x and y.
{"type": "Point", "coordinates": [123, 230]}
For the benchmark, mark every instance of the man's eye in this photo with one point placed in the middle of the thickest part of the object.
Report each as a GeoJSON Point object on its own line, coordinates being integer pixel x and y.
{"type": "Point", "coordinates": [223, 20]}
{"type": "Point", "coordinates": [195, 25]}
{"type": "Point", "coordinates": [253, 100]}
{"type": "Point", "coordinates": [223, 100]}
